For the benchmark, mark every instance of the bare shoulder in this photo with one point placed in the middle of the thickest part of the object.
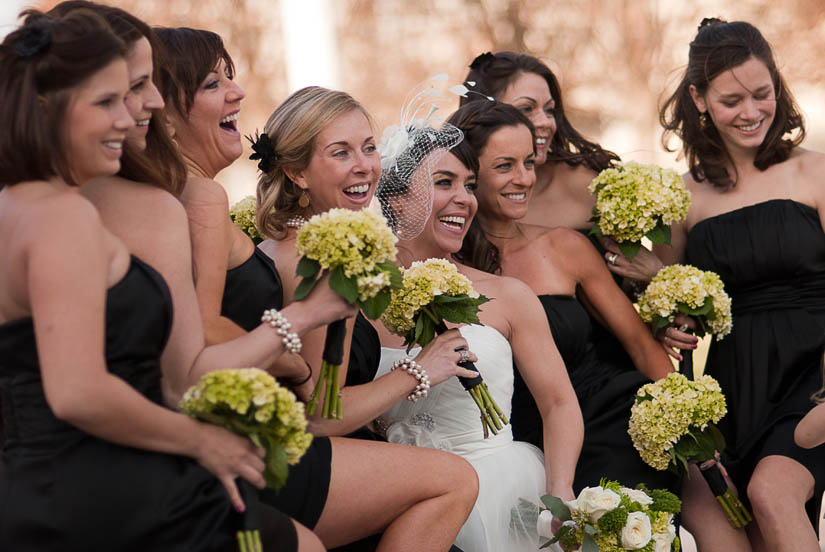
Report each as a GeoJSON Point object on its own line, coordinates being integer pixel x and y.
{"type": "Point", "coordinates": [810, 163]}
{"type": "Point", "coordinates": [121, 199]}
{"type": "Point", "coordinates": [494, 286]}
{"type": "Point", "coordinates": [575, 177]}
{"type": "Point", "coordinates": [202, 190]}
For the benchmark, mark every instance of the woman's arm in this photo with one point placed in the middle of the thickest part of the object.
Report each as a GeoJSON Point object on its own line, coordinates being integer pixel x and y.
{"type": "Point", "coordinates": [212, 236]}
{"type": "Point", "coordinates": [810, 431]}
{"type": "Point", "coordinates": [544, 372]}
{"type": "Point", "coordinates": [68, 269]}
{"type": "Point", "coordinates": [583, 261]}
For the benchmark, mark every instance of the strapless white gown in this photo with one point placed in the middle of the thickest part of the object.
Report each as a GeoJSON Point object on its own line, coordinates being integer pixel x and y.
{"type": "Point", "coordinates": [510, 473]}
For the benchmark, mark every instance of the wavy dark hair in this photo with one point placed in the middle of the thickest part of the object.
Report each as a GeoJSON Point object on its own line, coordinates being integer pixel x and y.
{"type": "Point", "coordinates": [479, 121]}
{"type": "Point", "coordinates": [718, 47]}
{"type": "Point", "coordinates": [159, 164]}
{"type": "Point", "coordinates": [41, 62]}
{"type": "Point", "coordinates": [493, 73]}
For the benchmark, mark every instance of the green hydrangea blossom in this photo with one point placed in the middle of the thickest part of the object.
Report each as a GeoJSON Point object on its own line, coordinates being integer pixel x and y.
{"type": "Point", "coordinates": [243, 215]}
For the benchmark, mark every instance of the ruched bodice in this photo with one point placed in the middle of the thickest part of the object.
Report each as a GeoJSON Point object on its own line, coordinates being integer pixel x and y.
{"type": "Point", "coordinates": [133, 356]}
{"type": "Point", "coordinates": [771, 258]}
{"type": "Point", "coordinates": [64, 489]}
{"type": "Point", "coordinates": [511, 474]}
{"type": "Point", "coordinates": [605, 381]}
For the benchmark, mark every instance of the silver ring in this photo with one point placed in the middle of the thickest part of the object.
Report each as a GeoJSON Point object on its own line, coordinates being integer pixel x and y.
{"type": "Point", "coordinates": [464, 354]}
{"type": "Point", "coordinates": [612, 258]}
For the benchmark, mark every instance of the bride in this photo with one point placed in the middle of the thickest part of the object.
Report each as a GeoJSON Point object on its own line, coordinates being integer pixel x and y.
{"type": "Point", "coordinates": [512, 475]}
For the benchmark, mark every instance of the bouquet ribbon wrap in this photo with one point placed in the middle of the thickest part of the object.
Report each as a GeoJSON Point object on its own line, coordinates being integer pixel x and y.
{"type": "Point", "coordinates": [467, 383]}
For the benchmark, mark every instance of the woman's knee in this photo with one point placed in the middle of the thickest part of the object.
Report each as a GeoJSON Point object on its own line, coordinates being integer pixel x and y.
{"type": "Point", "coordinates": [777, 484]}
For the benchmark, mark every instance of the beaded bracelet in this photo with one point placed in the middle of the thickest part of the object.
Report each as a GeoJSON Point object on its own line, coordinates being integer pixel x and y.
{"type": "Point", "coordinates": [415, 370]}
{"type": "Point", "coordinates": [282, 326]}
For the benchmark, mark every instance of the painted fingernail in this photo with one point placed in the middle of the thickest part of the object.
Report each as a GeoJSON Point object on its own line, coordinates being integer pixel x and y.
{"type": "Point", "coordinates": [240, 508]}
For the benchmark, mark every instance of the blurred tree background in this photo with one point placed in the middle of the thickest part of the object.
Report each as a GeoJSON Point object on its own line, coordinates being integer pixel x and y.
{"type": "Point", "coordinates": [616, 59]}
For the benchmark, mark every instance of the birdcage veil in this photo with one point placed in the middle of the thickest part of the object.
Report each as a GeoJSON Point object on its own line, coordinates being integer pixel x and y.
{"type": "Point", "coordinates": [409, 152]}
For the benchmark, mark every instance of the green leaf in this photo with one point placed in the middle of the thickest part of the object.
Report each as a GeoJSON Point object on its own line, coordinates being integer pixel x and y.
{"type": "Point", "coordinates": [375, 306]}
{"type": "Point", "coordinates": [343, 286]}
{"type": "Point", "coordinates": [396, 278]}
{"type": "Point", "coordinates": [427, 333]}
{"type": "Point", "coordinates": [590, 530]}
{"type": "Point", "coordinates": [304, 288]}
{"type": "Point", "coordinates": [276, 465]}
{"type": "Point", "coordinates": [451, 314]}
{"type": "Point", "coordinates": [596, 230]}
{"type": "Point", "coordinates": [308, 268]}
{"type": "Point", "coordinates": [658, 323]}
{"type": "Point", "coordinates": [718, 438]}
{"type": "Point", "coordinates": [557, 506]}
{"type": "Point", "coordinates": [701, 310]}
{"type": "Point", "coordinates": [588, 544]}
{"type": "Point", "coordinates": [419, 327]}
{"type": "Point", "coordinates": [660, 234]}
{"type": "Point", "coordinates": [629, 249]}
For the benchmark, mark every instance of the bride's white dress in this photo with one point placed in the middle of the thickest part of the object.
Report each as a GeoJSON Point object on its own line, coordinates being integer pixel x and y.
{"type": "Point", "coordinates": [510, 473]}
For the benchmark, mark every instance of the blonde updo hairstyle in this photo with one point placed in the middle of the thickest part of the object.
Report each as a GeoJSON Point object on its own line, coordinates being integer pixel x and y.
{"type": "Point", "coordinates": [292, 129]}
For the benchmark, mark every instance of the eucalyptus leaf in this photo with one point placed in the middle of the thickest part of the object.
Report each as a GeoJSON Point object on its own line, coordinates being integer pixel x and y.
{"type": "Point", "coordinates": [557, 506]}
{"type": "Point", "coordinates": [308, 268]}
{"type": "Point", "coordinates": [343, 286]}
{"type": "Point", "coordinates": [590, 530]}
{"type": "Point", "coordinates": [589, 544]}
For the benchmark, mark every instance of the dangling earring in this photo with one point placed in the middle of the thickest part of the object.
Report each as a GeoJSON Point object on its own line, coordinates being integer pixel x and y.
{"type": "Point", "coordinates": [703, 120]}
{"type": "Point", "coordinates": [303, 200]}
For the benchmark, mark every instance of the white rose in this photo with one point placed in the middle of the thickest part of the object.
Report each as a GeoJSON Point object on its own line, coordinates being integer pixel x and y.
{"type": "Point", "coordinates": [393, 142]}
{"type": "Point", "coordinates": [597, 501]}
{"type": "Point", "coordinates": [664, 541]}
{"type": "Point", "coordinates": [635, 495]}
{"type": "Point", "coordinates": [636, 532]}
{"type": "Point", "coordinates": [544, 525]}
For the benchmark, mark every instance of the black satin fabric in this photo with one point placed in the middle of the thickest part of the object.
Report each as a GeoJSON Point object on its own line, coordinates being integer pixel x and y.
{"type": "Point", "coordinates": [251, 288]}
{"type": "Point", "coordinates": [771, 257]}
{"type": "Point", "coordinates": [605, 381]}
{"type": "Point", "coordinates": [63, 489]}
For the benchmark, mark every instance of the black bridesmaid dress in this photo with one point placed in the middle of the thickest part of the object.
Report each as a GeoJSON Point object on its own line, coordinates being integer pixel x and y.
{"type": "Point", "coordinates": [63, 489]}
{"type": "Point", "coordinates": [771, 257]}
{"type": "Point", "coordinates": [251, 288]}
{"type": "Point", "coordinates": [605, 381]}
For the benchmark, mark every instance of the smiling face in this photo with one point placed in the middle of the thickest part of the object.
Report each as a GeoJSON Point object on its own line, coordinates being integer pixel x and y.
{"type": "Point", "coordinates": [741, 103]}
{"type": "Point", "coordinates": [143, 96]}
{"type": "Point", "coordinates": [209, 135]}
{"type": "Point", "coordinates": [344, 167]}
{"type": "Point", "coordinates": [454, 206]}
{"type": "Point", "coordinates": [506, 173]}
{"type": "Point", "coordinates": [97, 122]}
{"type": "Point", "coordinates": [530, 94]}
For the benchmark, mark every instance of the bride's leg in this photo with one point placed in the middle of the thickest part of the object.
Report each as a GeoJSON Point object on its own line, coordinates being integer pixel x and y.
{"type": "Point", "coordinates": [704, 518]}
{"type": "Point", "coordinates": [778, 490]}
{"type": "Point", "coordinates": [419, 497]}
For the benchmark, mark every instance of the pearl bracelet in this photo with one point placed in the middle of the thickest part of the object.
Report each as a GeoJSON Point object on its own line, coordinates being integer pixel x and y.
{"type": "Point", "coordinates": [415, 370]}
{"type": "Point", "coordinates": [282, 326]}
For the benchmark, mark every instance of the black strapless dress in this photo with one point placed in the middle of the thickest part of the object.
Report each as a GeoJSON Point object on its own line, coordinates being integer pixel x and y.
{"type": "Point", "coordinates": [63, 489]}
{"type": "Point", "coordinates": [251, 288]}
{"type": "Point", "coordinates": [771, 257]}
{"type": "Point", "coordinates": [605, 381]}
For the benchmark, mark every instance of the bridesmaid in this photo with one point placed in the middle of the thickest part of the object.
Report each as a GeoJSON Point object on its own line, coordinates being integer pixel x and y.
{"type": "Point", "coordinates": [565, 161]}
{"type": "Point", "coordinates": [756, 218]}
{"type": "Point", "coordinates": [557, 264]}
{"type": "Point", "coordinates": [94, 460]}
{"type": "Point", "coordinates": [326, 491]}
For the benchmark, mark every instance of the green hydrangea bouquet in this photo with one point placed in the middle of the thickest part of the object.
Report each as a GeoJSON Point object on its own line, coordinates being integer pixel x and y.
{"type": "Point", "coordinates": [635, 201]}
{"type": "Point", "coordinates": [613, 518]}
{"type": "Point", "coordinates": [249, 401]}
{"type": "Point", "coordinates": [686, 289]}
{"type": "Point", "coordinates": [243, 215]}
{"type": "Point", "coordinates": [357, 248]}
{"type": "Point", "coordinates": [673, 422]}
{"type": "Point", "coordinates": [434, 291]}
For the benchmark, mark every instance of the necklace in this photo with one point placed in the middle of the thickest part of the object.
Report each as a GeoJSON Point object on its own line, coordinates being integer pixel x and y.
{"type": "Point", "coordinates": [296, 221]}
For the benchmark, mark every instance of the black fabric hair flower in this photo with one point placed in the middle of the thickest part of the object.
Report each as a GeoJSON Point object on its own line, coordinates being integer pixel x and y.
{"type": "Point", "coordinates": [707, 21]}
{"type": "Point", "coordinates": [33, 39]}
{"type": "Point", "coordinates": [265, 151]}
{"type": "Point", "coordinates": [481, 60]}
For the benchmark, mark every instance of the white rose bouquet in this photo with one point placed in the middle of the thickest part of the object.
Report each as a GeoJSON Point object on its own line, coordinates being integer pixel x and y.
{"type": "Point", "coordinates": [635, 201]}
{"type": "Point", "coordinates": [613, 518]}
{"type": "Point", "coordinates": [686, 289]}
{"type": "Point", "coordinates": [434, 291]}
{"type": "Point", "coordinates": [358, 250]}
{"type": "Point", "coordinates": [672, 424]}
{"type": "Point", "coordinates": [243, 215]}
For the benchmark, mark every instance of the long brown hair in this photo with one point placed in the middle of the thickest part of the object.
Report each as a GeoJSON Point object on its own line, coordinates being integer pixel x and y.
{"type": "Point", "coordinates": [159, 164]}
{"type": "Point", "coordinates": [41, 62]}
{"type": "Point", "coordinates": [718, 47]}
{"type": "Point", "coordinates": [479, 121]}
{"type": "Point", "coordinates": [493, 73]}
